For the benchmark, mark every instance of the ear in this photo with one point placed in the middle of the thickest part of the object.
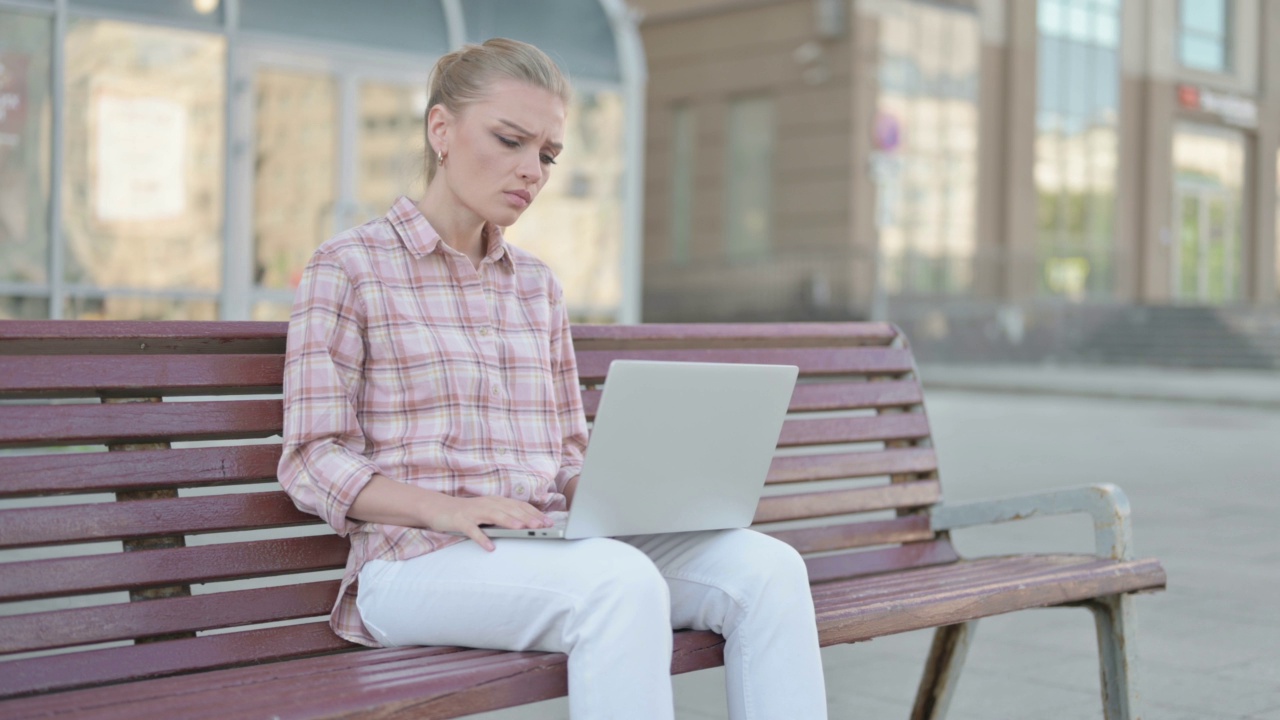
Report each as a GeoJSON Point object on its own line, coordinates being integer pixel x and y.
{"type": "Point", "coordinates": [439, 127]}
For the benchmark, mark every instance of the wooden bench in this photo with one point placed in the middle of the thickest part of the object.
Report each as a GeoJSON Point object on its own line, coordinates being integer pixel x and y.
{"type": "Point", "coordinates": [117, 509]}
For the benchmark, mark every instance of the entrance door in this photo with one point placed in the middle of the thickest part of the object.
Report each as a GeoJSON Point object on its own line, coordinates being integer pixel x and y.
{"type": "Point", "coordinates": [324, 143]}
{"type": "Point", "coordinates": [1209, 172]}
{"type": "Point", "coordinates": [1206, 261]}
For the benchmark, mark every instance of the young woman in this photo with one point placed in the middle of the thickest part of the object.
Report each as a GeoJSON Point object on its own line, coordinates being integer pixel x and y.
{"type": "Point", "coordinates": [430, 386]}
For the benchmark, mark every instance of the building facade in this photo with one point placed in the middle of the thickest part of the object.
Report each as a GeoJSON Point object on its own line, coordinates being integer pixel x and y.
{"type": "Point", "coordinates": [182, 159]}
{"type": "Point", "coordinates": [1001, 176]}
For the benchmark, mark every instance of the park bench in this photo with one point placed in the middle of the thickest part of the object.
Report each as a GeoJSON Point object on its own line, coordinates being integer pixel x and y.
{"type": "Point", "coordinates": [150, 566]}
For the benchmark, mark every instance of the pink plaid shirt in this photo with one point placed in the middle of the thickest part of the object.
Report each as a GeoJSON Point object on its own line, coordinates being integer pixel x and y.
{"type": "Point", "coordinates": [405, 360]}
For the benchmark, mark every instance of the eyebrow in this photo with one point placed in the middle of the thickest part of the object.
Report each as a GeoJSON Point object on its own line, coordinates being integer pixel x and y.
{"type": "Point", "coordinates": [554, 145]}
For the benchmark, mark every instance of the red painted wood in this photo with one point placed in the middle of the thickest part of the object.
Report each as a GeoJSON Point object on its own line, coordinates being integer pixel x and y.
{"type": "Point", "coordinates": [704, 334]}
{"type": "Point", "coordinates": [26, 527]}
{"type": "Point", "coordinates": [32, 579]}
{"type": "Point", "coordinates": [869, 562]}
{"type": "Point", "coordinates": [594, 364]}
{"type": "Point", "coordinates": [898, 426]}
{"type": "Point", "coordinates": [132, 375]}
{"type": "Point", "coordinates": [1055, 581]}
{"type": "Point", "coordinates": [110, 337]}
{"type": "Point", "coordinates": [810, 397]}
{"type": "Point", "coordinates": [777, 508]}
{"type": "Point", "coordinates": [905, 529]}
{"type": "Point", "coordinates": [136, 470]}
{"type": "Point", "coordinates": [94, 424]}
{"type": "Point", "coordinates": [827, 466]}
{"type": "Point", "coordinates": [94, 667]}
{"type": "Point", "coordinates": [130, 620]}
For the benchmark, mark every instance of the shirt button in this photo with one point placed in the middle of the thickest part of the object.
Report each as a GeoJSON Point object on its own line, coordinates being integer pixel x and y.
{"type": "Point", "coordinates": [502, 451]}
{"type": "Point", "coordinates": [520, 489]}
{"type": "Point", "coordinates": [493, 391]}
{"type": "Point", "coordinates": [484, 331]}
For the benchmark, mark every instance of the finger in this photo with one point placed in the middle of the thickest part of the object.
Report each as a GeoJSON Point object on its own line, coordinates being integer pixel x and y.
{"type": "Point", "coordinates": [475, 533]}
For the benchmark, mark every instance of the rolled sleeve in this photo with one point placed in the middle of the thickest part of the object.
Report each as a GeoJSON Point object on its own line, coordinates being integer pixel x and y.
{"type": "Point", "coordinates": [568, 390]}
{"type": "Point", "coordinates": [322, 465]}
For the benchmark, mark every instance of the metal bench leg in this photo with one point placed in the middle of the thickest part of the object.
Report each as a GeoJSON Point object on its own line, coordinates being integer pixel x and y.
{"type": "Point", "coordinates": [942, 670]}
{"type": "Point", "coordinates": [1113, 616]}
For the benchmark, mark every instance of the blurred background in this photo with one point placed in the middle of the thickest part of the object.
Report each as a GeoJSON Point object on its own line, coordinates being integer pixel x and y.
{"type": "Point", "coordinates": [1010, 180]}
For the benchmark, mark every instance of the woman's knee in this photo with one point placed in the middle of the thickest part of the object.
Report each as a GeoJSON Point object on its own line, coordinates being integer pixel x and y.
{"type": "Point", "coordinates": [773, 564]}
{"type": "Point", "coordinates": [618, 571]}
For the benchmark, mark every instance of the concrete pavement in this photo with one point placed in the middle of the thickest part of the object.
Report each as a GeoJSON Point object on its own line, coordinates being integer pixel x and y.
{"type": "Point", "coordinates": [1198, 454]}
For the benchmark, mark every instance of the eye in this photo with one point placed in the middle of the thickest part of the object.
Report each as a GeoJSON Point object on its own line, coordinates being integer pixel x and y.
{"type": "Point", "coordinates": [507, 141]}
{"type": "Point", "coordinates": [548, 159]}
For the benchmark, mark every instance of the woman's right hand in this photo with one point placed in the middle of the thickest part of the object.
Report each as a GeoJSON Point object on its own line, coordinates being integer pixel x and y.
{"type": "Point", "coordinates": [466, 514]}
{"type": "Point", "coordinates": [393, 503]}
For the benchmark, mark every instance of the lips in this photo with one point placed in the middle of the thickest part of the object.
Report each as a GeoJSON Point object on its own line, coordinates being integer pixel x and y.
{"type": "Point", "coordinates": [520, 198]}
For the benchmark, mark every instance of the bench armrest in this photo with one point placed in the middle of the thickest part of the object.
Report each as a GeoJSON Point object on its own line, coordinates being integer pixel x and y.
{"type": "Point", "coordinates": [1105, 502]}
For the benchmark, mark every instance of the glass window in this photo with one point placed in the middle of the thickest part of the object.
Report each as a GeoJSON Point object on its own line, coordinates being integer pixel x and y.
{"type": "Point", "coordinates": [1078, 100]}
{"type": "Point", "coordinates": [416, 27]}
{"type": "Point", "coordinates": [575, 226]}
{"type": "Point", "coordinates": [390, 142]}
{"type": "Point", "coordinates": [199, 12]}
{"type": "Point", "coordinates": [143, 174]}
{"type": "Point", "coordinates": [133, 307]}
{"type": "Point", "coordinates": [926, 139]}
{"type": "Point", "coordinates": [749, 179]}
{"type": "Point", "coordinates": [1209, 166]}
{"type": "Point", "coordinates": [1204, 34]}
{"type": "Point", "coordinates": [295, 171]}
{"type": "Point", "coordinates": [25, 112]}
{"type": "Point", "coordinates": [1276, 223]}
{"type": "Point", "coordinates": [683, 142]}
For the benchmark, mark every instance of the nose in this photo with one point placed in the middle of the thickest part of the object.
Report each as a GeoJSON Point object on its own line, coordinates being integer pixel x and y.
{"type": "Point", "coordinates": [530, 168]}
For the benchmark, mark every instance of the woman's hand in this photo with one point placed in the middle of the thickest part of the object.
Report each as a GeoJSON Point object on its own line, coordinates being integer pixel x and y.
{"type": "Point", "coordinates": [392, 503]}
{"type": "Point", "coordinates": [466, 515]}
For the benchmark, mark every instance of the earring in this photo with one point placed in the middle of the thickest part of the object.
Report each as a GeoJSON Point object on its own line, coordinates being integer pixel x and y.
{"type": "Point", "coordinates": [440, 158]}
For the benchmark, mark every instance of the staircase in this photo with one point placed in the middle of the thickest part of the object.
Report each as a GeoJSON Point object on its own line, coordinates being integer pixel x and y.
{"type": "Point", "coordinates": [1187, 337]}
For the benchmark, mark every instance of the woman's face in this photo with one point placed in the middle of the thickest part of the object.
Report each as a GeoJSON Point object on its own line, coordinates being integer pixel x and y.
{"type": "Point", "coordinates": [499, 150]}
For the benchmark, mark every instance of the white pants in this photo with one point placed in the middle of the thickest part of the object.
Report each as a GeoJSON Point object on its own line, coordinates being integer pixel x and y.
{"type": "Point", "coordinates": [611, 605]}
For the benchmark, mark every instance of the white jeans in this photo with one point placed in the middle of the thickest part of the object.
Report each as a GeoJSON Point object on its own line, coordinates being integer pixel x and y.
{"type": "Point", "coordinates": [611, 605]}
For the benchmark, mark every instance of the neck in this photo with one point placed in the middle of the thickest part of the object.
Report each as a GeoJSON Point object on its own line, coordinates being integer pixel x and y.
{"type": "Point", "coordinates": [459, 228]}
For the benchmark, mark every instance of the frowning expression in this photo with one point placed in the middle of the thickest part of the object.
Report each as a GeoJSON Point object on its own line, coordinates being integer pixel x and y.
{"type": "Point", "coordinates": [500, 149]}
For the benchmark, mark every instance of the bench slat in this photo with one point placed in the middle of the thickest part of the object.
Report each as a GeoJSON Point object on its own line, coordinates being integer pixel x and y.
{"type": "Point", "coordinates": [137, 470]}
{"type": "Point", "coordinates": [856, 563]}
{"type": "Point", "coordinates": [594, 364]}
{"type": "Point", "coordinates": [92, 667]}
{"type": "Point", "coordinates": [112, 337]}
{"type": "Point", "coordinates": [34, 579]}
{"type": "Point", "coordinates": [434, 681]}
{"type": "Point", "coordinates": [599, 337]}
{"type": "Point", "coordinates": [905, 529]}
{"type": "Point", "coordinates": [828, 466]}
{"type": "Point", "coordinates": [25, 527]}
{"type": "Point", "coordinates": [897, 426]}
{"type": "Point", "coordinates": [1052, 581]}
{"type": "Point", "coordinates": [132, 375]}
{"type": "Point", "coordinates": [811, 397]}
{"type": "Point", "coordinates": [90, 424]}
{"type": "Point", "coordinates": [778, 508]}
{"type": "Point", "coordinates": [127, 621]}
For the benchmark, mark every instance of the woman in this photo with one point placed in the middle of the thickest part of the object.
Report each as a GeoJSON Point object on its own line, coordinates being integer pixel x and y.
{"type": "Point", "coordinates": [430, 387]}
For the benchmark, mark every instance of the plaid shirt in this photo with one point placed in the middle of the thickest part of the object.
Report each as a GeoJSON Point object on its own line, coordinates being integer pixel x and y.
{"type": "Point", "coordinates": [405, 360]}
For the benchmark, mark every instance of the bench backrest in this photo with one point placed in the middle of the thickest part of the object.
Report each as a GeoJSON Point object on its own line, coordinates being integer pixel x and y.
{"type": "Point", "coordinates": [142, 532]}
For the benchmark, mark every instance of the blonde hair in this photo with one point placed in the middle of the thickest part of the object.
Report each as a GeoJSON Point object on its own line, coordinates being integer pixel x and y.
{"type": "Point", "coordinates": [466, 74]}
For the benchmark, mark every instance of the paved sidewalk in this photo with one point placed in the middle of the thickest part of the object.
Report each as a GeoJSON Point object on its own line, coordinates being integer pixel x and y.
{"type": "Point", "coordinates": [1241, 388]}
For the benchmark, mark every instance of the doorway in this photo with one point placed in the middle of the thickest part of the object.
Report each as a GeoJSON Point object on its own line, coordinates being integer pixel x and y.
{"type": "Point", "coordinates": [1208, 244]}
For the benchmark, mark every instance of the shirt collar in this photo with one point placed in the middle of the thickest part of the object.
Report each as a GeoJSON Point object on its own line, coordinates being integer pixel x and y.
{"type": "Point", "coordinates": [421, 239]}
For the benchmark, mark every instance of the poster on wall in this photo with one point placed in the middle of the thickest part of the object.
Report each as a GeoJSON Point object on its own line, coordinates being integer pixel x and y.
{"type": "Point", "coordinates": [141, 158]}
{"type": "Point", "coordinates": [13, 98]}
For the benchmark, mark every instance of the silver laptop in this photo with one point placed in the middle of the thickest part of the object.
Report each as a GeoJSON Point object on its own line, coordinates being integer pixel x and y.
{"type": "Point", "coordinates": [675, 447]}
